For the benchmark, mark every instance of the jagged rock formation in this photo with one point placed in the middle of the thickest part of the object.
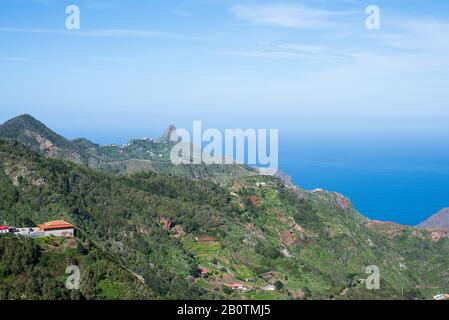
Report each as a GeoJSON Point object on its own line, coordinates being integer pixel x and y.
{"type": "Point", "coordinates": [169, 135]}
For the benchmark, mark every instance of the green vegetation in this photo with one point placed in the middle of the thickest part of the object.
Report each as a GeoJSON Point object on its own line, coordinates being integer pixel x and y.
{"type": "Point", "coordinates": [35, 269]}
{"type": "Point", "coordinates": [184, 232]}
{"type": "Point", "coordinates": [138, 155]}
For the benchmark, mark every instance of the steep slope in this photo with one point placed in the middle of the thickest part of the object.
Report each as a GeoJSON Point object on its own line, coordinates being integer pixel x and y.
{"type": "Point", "coordinates": [169, 135]}
{"type": "Point", "coordinates": [439, 220]}
{"type": "Point", "coordinates": [193, 238]}
{"type": "Point", "coordinates": [38, 137]}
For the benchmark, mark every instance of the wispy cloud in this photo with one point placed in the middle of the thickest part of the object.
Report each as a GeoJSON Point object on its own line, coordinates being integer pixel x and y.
{"type": "Point", "coordinates": [98, 33]}
{"type": "Point", "coordinates": [413, 34]}
{"type": "Point", "coordinates": [262, 54]}
{"type": "Point", "coordinates": [130, 33]}
{"type": "Point", "coordinates": [113, 59]}
{"type": "Point", "coordinates": [284, 15]}
{"type": "Point", "coordinates": [287, 55]}
{"type": "Point", "coordinates": [182, 13]}
{"type": "Point", "coordinates": [301, 47]}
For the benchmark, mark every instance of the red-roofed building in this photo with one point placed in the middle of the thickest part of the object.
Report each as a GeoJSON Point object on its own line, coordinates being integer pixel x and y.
{"type": "Point", "coordinates": [237, 286]}
{"type": "Point", "coordinates": [4, 229]}
{"type": "Point", "coordinates": [204, 271]}
{"type": "Point", "coordinates": [57, 228]}
{"type": "Point", "coordinates": [234, 285]}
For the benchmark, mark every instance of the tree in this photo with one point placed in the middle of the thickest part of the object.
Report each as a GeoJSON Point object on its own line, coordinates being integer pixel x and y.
{"type": "Point", "coordinates": [279, 285]}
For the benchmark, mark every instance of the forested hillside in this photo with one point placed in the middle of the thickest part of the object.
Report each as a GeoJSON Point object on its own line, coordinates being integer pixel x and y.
{"type": "Point", "coordinates": [36, 269]}
{"type": "Point", "coordinates": [194, 239]}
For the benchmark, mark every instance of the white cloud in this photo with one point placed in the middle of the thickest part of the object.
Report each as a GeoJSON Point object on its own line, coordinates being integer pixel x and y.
{"type": "Point", "coordinates": [287, 55]}
{"type": "Point", "coordinates": [415, 34]}
{"type": "Point", "coordinates": [97, 33]}
{"type": "Point", "coordinates": [284, 15]}
{"type": "Point", "coordinates": [263, 54]}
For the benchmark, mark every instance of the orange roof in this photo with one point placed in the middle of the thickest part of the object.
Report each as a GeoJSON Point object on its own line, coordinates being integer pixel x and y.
{"type": "Point", "coordinates": [57, 224]}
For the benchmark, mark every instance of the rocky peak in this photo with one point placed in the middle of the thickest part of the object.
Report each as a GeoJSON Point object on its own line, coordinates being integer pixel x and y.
{"type": "Point", "coordinates": [169, 135]}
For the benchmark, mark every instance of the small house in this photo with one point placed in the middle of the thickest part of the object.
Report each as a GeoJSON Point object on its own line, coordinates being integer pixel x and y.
{"type": "Point", "coordinates": [269, 287]}
{"type": "Point", "coordinates": [57, 228]}
{"type": "Point", "coordinates": [442, 296]}
{"type": "Point", "coordinates": [4, 229]}
{"type": "Point", "coordinates": [237, 286]}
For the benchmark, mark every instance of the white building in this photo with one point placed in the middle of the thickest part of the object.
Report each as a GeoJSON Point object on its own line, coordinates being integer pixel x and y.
{"type": "Point", "coordinates": [269, 287]}
{"type": "Point", "coordinates": [443, 296]}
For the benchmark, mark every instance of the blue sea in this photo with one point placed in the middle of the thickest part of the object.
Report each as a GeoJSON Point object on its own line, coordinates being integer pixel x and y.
{"type": "Point", "coordinates": [403, 180]}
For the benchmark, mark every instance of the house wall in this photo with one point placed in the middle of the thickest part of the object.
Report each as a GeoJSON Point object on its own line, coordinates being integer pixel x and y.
{"type": "Point", "coordinates": [60, 232]}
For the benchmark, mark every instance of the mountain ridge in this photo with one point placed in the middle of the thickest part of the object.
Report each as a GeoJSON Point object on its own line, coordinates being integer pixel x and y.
{"type": "Point", "coordinates": [437, 220]}
{"type": "Point", "coordinates": [138, 155]}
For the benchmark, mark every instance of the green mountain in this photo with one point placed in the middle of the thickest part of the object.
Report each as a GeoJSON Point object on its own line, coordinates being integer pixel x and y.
{"type": "Point", "coordinates": [138, 155]}
{"type": "Point", "coordinates": [191, 232]}
{"type": "Point", "coordinates": [193, 238]}
{"type": "Point", "coordinates": [36, 136]}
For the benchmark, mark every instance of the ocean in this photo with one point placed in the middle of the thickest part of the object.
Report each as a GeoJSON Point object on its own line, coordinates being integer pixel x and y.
{"type": "Point", "coordinates": [399, 180]}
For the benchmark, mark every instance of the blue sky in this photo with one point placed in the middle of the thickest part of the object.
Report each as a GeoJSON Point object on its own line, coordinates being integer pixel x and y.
{"type": "Point", "coordinates": [303, 66]}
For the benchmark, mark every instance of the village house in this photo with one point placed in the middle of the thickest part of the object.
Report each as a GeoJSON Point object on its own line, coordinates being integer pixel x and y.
{"type": "Point", "coordinates": [4, 229]}
{"type": "Point", "coordinates": [237, 286]}
{"type": "Point", "coordinates": [57, 228]}
{"type": "Point", "coordinates": [28, 232]}
{"type": "Point", "coordinates": [442, 296]}
{"type": "Point", "coordinates": [269, 287]}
